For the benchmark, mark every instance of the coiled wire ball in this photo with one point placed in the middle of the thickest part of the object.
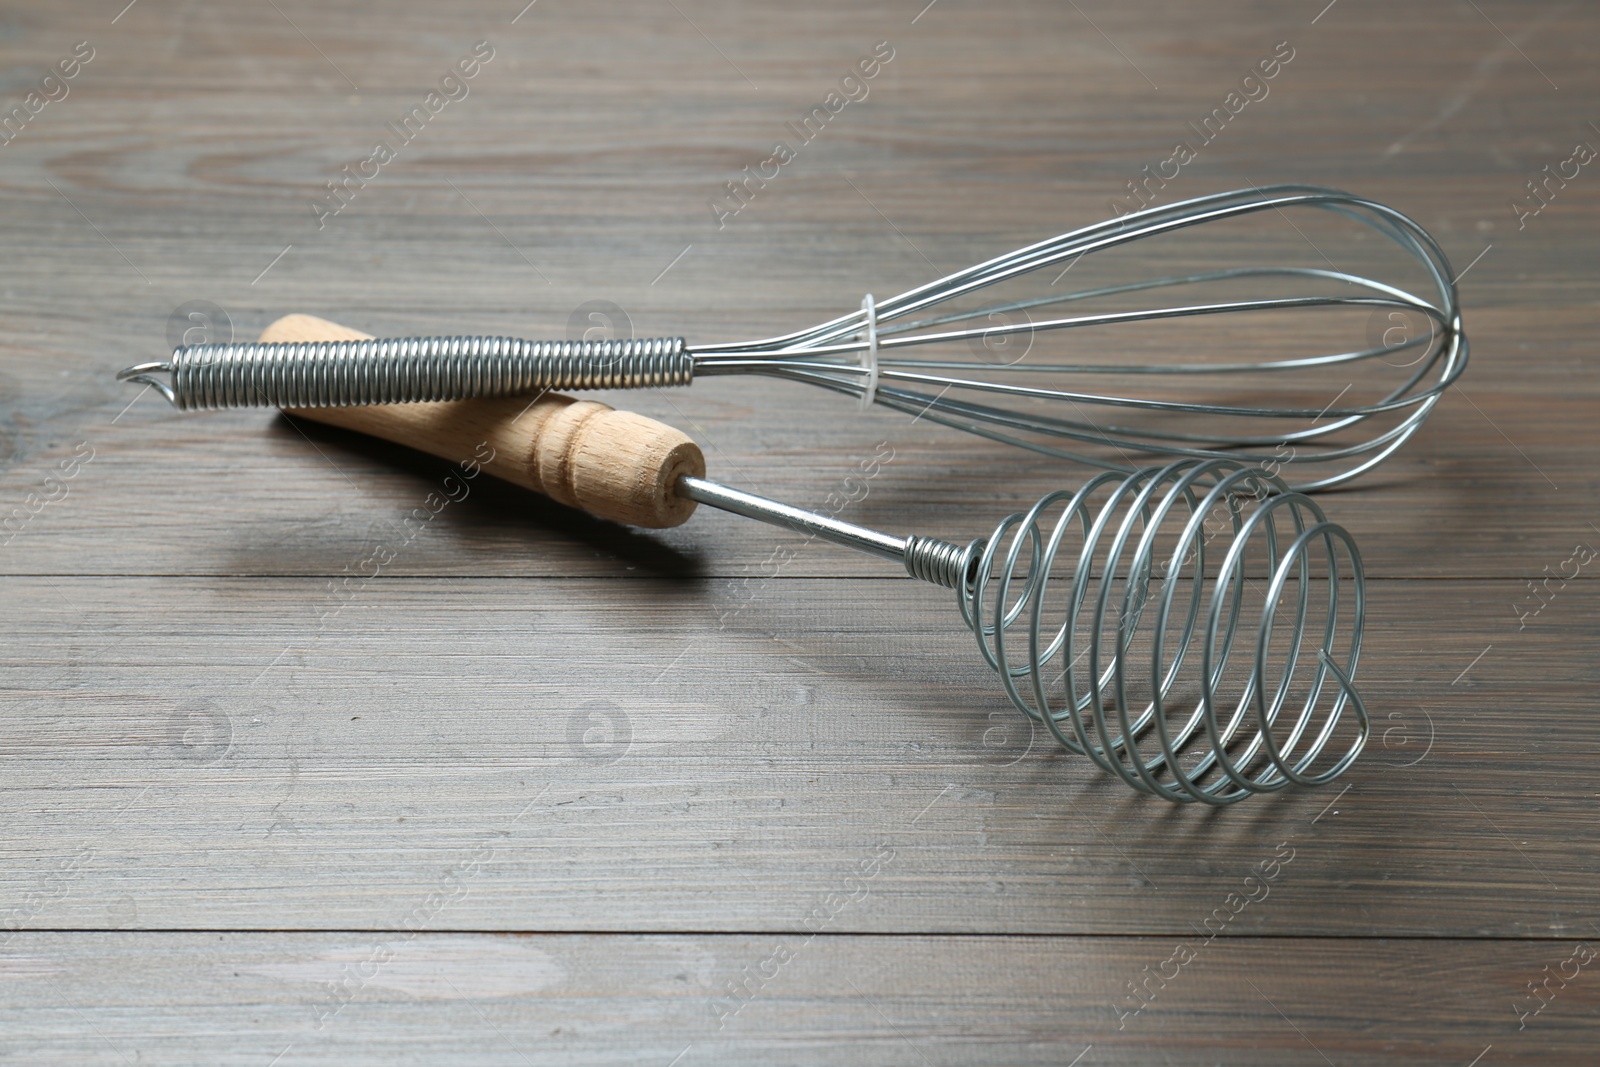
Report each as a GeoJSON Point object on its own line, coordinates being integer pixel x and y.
{"type": "Point", "coordinates": [1193, 629]}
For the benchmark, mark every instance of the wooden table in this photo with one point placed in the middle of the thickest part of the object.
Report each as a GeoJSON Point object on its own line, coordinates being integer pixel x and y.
{"type": "Point", "coordinates": [549, 790]}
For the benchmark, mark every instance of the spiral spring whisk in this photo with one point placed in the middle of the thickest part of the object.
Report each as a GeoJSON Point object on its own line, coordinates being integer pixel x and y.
{"type": "Point", "coordinates": [1194, 629]}
{"type": "Point", "coordinates": [1323, 422]}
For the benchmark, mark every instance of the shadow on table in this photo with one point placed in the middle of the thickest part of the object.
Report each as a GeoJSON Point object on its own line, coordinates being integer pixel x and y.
{"type": "Point", "coordinates": [493, 503]}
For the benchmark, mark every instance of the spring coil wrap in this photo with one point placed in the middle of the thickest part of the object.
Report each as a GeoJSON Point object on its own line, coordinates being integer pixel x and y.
{"type": "Point", "coordinates": [940, 562]}
{"type": "Point", "coordinates": [1111, 621]}
{"type": "Point", "coordinates": [408, 370]}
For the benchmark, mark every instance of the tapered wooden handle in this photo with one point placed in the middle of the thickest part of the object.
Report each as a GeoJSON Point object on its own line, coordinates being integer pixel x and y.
{"type": "Point", "coordinates": [614, 464]}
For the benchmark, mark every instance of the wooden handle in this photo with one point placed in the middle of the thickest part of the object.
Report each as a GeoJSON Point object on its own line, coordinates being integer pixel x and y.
{"type": "Point", "coordinates": [614, 464]}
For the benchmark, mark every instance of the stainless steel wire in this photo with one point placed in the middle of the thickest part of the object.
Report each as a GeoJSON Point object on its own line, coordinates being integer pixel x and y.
{"type": "Point", "coordinates": [865, 353]}
{"type": "Point", "coordinates": [1193, 629]}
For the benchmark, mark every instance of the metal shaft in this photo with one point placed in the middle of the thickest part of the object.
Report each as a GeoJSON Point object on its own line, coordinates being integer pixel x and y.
{"type": "Point", "coordinates": [927, 558]}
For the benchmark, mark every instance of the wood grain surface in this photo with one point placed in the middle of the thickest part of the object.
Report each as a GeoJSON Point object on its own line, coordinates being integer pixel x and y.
{"type": "Point", "coordinates": [543, 789]}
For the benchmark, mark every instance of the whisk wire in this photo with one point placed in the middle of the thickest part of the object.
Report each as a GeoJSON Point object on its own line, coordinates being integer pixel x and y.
{"type": "Point", "coordinates": [808, 355]}
{"type": "Point", "coordinates": [1126, 549]}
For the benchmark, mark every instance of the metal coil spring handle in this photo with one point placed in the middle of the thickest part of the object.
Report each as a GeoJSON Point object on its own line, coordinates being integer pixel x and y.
{"type": "Point", "coordinates": [368, 370]}
{"type": "Point", "coordinates": [1118, 571]}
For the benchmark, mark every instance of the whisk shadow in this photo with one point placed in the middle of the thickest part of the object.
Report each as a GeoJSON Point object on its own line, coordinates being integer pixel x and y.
{"type": "Point", "coordinates": [1146, 824]}
{"type": "Point", "coordinates": [496, 503]}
